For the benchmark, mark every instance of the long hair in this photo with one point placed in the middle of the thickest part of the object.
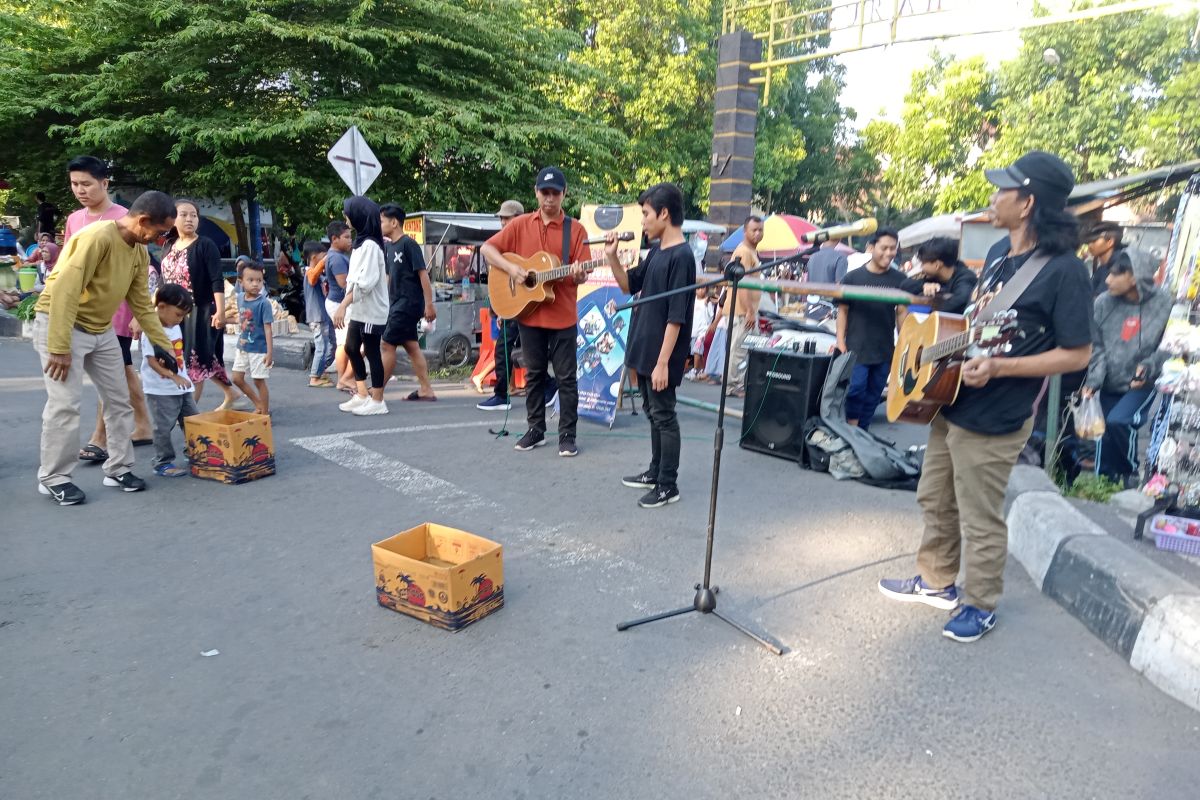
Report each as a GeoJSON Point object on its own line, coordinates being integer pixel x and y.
{"type": "Point", "coordinates": [1056, 230]}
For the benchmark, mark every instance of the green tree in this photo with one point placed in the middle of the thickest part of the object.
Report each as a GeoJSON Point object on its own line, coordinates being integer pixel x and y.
{"type": "Point", "coordinates": [648, 70]}
{"type": "Point", "coordinates": [1119, 97]}
{"type": "Point", "coordinates": [948, 118]}
{"type": "Point", "coordinates": [1092, 105]}
{"type": "Point", "coordinates": [1172, 129]}
{"type": "Point", "coordinates": [204, 98]}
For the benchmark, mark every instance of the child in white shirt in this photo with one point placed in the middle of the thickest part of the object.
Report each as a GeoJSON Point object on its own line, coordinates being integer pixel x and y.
{"type": "Point", "coordinates": [169, 394]}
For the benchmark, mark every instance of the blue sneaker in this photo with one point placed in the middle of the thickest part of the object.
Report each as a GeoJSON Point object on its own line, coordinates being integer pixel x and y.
{"type": "Point", "coordinates": [969, 624]}
{"type": "Point", "coordinates": [914, 590]}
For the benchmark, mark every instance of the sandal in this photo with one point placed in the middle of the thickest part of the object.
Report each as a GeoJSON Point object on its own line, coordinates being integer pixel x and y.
{"type": "Point", "coordinates": [416, 395]}
{"type": "Point", "coordinates": [169, 471]}
{"type": "Point", "coordinates": [93, 454]}
{"type": "Point", "coordinates": [320, 383]}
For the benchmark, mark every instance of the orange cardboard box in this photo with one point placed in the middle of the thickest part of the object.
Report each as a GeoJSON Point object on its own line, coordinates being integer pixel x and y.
{"type": "Point", "coordinates": [230, 446]}
{"type": "Point", "coordinates": [443, 576]}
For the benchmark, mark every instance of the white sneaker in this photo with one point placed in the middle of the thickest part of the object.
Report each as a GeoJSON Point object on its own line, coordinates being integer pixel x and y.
{"type": "Point", "coordinates": [353, 403]}
{"type": "Point", "coordinates": [370, 408]}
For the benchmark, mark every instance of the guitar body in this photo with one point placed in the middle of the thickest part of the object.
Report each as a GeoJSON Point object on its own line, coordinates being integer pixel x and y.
{"type": "Point", "coordinates": [916, 391]}
{"type": "Point", "coordinates": [512, 300]}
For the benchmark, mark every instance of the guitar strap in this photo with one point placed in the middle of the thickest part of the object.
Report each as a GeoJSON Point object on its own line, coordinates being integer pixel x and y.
{"type": "Point", "coordinates": [1016, 287]}
{"type": "Point", "coordinates": [566, 248]}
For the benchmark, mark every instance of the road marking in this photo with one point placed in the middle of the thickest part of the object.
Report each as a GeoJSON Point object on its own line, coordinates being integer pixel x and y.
{"type": "Point", "coordinates": [547, 542]}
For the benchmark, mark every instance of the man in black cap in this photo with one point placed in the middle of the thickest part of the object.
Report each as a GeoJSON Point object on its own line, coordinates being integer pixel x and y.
{"type": "Point", "coordinates": [547, 332]}
{"type": "Point", "coordinates": [1108, 255]}
{"type": "Point", "coordinates": [975, 441]}
{"type": "Point", "coordinates": [510, 338]}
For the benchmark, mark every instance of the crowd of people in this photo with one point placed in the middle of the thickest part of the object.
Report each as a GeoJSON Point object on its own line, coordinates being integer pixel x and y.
{"type": "Point", "coordinates": [368, 294]}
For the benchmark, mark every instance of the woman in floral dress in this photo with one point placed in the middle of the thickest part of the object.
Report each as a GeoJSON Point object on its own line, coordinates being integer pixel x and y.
{"type": "Point", "coordinates": [193, 262]}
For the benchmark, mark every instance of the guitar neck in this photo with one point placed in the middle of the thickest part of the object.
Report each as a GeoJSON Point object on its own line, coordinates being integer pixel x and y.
{"type": "Point", "coordinates": [950, 347]}
{"type": "Point", "coordinates": [545, 276]}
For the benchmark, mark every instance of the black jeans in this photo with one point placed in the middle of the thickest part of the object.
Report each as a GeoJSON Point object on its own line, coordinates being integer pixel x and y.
{"type": "Point", "coordinates": [539, 347]}
{"type": "Point", "coordinates": [664, 431]}
{"type": "Point", "coordinates": [505, 346]}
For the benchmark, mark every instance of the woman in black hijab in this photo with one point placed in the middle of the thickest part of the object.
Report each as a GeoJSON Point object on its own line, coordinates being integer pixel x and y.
{"type": "Point", "coordinates": [364, 310]}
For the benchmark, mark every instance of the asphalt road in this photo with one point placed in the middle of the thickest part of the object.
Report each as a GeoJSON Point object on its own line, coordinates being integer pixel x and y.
{"type": "Point", "coordinates": [320, 693]}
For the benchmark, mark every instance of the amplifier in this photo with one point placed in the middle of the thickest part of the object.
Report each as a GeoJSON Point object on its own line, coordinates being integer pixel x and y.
{"type": "Point", "coordinates": [783, 389]}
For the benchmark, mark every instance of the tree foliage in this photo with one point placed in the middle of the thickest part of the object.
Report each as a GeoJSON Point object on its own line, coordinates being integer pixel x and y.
{"type": "Point", "coordinates": [205, 97]}
{"type": "Point", "coordinates": [1121, 96]}
{"type": "Point", "coordinates": [648, 70]}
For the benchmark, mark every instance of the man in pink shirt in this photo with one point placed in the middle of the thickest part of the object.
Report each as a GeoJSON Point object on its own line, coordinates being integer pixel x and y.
{"type": "Point", "coordinates": [89, 183]}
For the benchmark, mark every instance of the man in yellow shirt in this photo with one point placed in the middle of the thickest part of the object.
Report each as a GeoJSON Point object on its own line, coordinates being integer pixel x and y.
{"type": "Point", "coordinates": [101, 266]}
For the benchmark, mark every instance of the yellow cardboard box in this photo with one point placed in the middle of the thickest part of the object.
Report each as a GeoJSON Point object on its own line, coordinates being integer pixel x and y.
{"type": "Point", "coordinates": [443, 576]}
{"type": "Point", "coordinates": [230, 446]}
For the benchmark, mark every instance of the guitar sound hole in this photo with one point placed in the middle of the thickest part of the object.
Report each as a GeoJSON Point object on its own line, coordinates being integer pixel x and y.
{"type": "Point", "coordinates": [530, 281]}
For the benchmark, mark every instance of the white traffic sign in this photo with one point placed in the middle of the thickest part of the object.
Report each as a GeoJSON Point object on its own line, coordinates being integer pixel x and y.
{"type": "Point", "coordinates": [354, 161]}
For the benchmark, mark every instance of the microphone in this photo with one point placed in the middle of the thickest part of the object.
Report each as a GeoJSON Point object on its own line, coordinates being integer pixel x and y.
{"type": "Point", "coordinates": [861, 227]}
{"type": "Point", "coordinates": [624, 236]}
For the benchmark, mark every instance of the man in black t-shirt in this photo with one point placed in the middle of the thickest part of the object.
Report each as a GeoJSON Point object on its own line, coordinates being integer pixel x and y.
{"type": "Point", "coordinates": [869, 329]}
{"type": "Point", "coordinates": [658, 335]}
{"type": "Point", "coordinates": [410, 295]}
{"type": "Point", "coordinates": [975, 441]}
{"type": "Point", "coordinates": [1108, 254]}
{"type": "Point", "coordinates": [944, 279]}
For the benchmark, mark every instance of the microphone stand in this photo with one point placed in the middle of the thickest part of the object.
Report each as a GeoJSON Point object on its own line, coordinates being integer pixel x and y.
{"type": "Point", "coordinates": [705, 600]}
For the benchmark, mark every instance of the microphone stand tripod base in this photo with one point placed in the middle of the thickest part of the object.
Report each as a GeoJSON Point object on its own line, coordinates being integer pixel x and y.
{"type": "Point", "coordinates": [705, 602]}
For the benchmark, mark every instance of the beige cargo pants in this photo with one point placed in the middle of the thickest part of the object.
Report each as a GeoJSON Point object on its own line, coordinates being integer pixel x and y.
{"type": "Point", "coordinates": [99, 355]}
{"type": "Point", "coordinates": [961, 493]}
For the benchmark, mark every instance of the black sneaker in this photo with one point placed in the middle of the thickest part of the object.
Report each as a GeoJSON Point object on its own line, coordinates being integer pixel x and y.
{"type": "Point", "coordinates": [659, 496]}
{"type": "Point", "coordinates": [530, 440]}
{"type": "Point", "coordinates": [567, 448]}
{"type": "Point", "coordinates": [126, 482]}
{"type": "Point", "coordinates": [646, 480]}
{"type": "Point", "coordinates": [65, 494]}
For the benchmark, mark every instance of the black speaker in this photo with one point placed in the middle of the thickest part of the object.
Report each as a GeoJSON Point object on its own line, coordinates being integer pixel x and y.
{"type": "Point", "coordinates": [783, 389]}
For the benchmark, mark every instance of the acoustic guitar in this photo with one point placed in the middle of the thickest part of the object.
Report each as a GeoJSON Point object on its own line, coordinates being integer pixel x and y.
{"type": "Point", "coordinates": [926, 371]}
{"type": "Point", "coordinates": [512, 299]}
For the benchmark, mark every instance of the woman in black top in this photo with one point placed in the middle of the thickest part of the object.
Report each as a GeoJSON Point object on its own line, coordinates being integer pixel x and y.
{"type": "Point", "coordinates": [193, 262]}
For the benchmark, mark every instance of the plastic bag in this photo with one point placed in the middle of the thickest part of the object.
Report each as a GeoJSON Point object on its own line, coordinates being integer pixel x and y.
{"type": "Point", "coordinates": [1089, 418]}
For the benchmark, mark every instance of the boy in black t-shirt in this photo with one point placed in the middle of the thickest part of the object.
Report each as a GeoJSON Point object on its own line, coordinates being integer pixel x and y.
{"type": "Point", "coordinates": [868, 329]}
{"type": "Point", "coordinates": [943, 277]}
{"type": "Point", "coordinates": [975, 441]}
{"type": "Point", "coordinates": [658, 336]}
{"type": "Point", "coordinates": [410, 296]}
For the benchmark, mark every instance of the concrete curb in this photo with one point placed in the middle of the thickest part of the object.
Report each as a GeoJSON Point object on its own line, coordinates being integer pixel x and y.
{"type": "Point", "coordinates": [1142, 611]}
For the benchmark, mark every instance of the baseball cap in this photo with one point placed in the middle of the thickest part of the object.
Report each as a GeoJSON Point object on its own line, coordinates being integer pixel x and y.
{"type": "Point", "coordinates": [1043, 174]}
{"type": "Point", "coordinates": [510, 208]}
{"type": "Point", "coordinates": [551, 178]}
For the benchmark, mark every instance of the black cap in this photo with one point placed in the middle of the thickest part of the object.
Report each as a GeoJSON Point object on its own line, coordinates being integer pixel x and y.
{"type": "Point", "coordinates": [551, 178]}
{"type": "Point", "coordinates": [1045, 175]}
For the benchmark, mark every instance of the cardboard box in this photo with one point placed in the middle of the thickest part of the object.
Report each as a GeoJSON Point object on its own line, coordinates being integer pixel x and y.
{"type": "Point", "coordinates": [230, 446]}
{"type": "Point", "coordinates": [443, 576]}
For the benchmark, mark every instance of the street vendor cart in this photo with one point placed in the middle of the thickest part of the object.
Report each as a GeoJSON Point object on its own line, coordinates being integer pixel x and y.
{"type": "Point", "coordinates": [450, 241]}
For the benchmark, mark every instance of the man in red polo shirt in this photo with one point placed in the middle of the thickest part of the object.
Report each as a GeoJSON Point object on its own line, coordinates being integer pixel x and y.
{"type": "Point", "coordinates": [548, 332]}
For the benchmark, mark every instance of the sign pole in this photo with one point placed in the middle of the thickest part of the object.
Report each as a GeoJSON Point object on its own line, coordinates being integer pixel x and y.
{"type": "Point", "coordinates": [354, 157]}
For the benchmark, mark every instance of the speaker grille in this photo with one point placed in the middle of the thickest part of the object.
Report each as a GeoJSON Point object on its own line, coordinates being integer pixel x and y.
{"type": "Point", "coordinates": [782, 391]}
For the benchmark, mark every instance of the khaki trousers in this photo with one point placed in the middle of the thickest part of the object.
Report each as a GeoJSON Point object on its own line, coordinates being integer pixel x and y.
{"type": "Point", "coordinates": [738, 353]}
{"type": "Point", "coordinates": [961, 493]}
{"type": "Point", "coordinates": [99, 355]}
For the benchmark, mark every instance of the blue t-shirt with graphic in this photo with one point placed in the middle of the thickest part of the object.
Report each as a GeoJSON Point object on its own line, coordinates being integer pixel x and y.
{"type": "Point", "coordinates": [254, 316]}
